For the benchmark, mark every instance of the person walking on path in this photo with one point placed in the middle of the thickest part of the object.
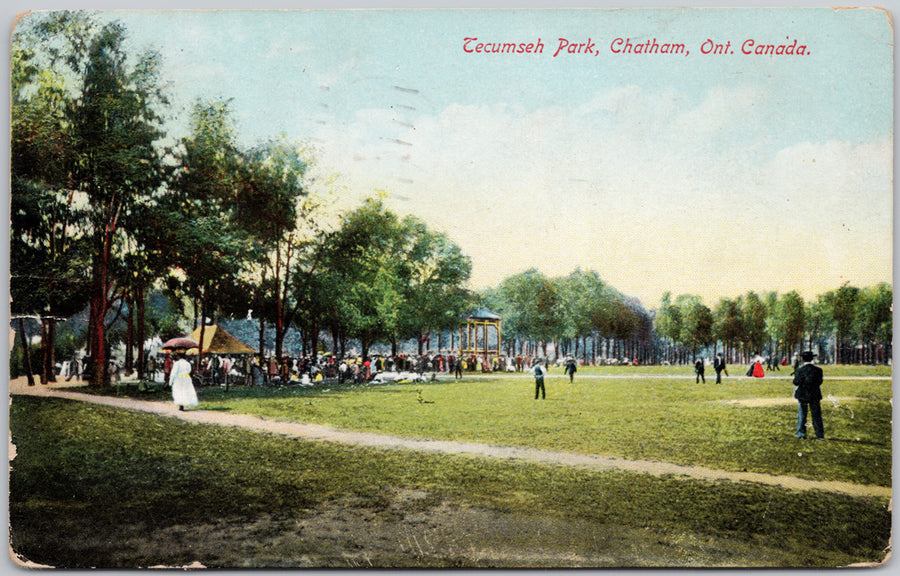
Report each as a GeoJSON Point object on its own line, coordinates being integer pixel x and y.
{"type": "Point", "coordinates": [571, 368]}
{"type": "Point", "coordinates": [700, 369]}
{"type": "Point", "coordinates": [539, 372]}
{"type": "Point", "coordinates": [719, 366]}
{"type": "Point", "coordinates": [183, 393]}
{"type": "Point", "coordinates": [808, 392]}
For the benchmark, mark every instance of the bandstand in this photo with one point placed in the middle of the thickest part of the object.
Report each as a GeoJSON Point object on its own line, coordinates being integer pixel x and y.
{"type": "Point", "coordinates": [474, 335]}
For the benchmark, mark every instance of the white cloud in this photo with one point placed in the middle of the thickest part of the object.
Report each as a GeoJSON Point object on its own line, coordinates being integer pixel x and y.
{"type": "Point", "coordinates": [631, 185]}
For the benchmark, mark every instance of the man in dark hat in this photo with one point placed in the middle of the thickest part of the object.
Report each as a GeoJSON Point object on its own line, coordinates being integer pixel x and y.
{"type": "Point", "coordinates": [539, 389]}
{"type": "Point", "coordinates": [807, 391]}
{"type": "Point", "coordinates": [719, 365]}
{"type": "Point", "coordinates": [700, 370]}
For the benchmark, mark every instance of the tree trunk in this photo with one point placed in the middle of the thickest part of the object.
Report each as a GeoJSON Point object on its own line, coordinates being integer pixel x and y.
{"type": "Point", "coordinates": [129, 334]}
{"type": "Point", "coordinates": [279, 318]}
{"type": "Point", "coordinates": [141, 325]}
{"type": "Point", "coordinates": [314, 342]}
{"type": "Point", "coordinates": [99, 375]}
{"type": "Point", "coordinates": [202, 330]}
{"type": "Point", "coordinates": [262, 339]}
{"type": "Point", "coordinates": [26, 353]}
{"type": "Point", "coordinates": [45, 354]}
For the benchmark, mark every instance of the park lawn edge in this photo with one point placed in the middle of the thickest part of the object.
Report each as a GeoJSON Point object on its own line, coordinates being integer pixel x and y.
{"type": "Point", "coordinates": [701, 429]}
{"type": "Point", "coordinates": [70, 454]}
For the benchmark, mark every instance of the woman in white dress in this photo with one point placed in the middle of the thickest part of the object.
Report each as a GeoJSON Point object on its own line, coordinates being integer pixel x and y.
{"type": "Point", "coordinates": [183, 393]}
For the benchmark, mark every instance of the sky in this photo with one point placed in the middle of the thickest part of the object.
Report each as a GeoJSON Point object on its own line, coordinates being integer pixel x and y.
{"type": "Point", "coordinates": [708, 174]}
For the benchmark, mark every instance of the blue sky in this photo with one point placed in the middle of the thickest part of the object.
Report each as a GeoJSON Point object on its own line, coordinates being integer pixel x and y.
{"type": "Point", "coordinates": [703, 174]}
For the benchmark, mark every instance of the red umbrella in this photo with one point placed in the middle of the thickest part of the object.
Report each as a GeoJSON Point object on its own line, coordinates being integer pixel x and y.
{"type": "Point", "coordinates": [182, 342]}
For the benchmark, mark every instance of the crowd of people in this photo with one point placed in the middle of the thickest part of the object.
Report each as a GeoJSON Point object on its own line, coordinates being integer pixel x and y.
{"type": "Point", "coordinates": [251, 370]}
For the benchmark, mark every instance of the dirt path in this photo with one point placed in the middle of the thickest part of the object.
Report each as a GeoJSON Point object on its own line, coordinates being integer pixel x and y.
{"type": "Point", "coordinates": [373, 440]}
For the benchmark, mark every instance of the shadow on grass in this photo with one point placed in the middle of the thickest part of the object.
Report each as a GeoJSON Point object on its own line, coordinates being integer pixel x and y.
{"type": "Point", "coordinates": [829, 439]}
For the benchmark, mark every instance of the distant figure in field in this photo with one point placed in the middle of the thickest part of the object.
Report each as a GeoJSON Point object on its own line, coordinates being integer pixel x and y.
{"type": "Point", "coordinates": [183, 393]}
{"type": "Point", "coordinates": [796, 364]}
{"type": "Point", "coordinates": [571, 368]}
{"type": "Point", "coordinates": [776, 360]}
{"type": "Point", "coordinates": [539, 372]}
{"type": "Point", "coordinates": [719, 367]}
{"type": "Point", "coordinates": [756, 369]}
{"type": "Point", "coordinates": [700, 370]}
{"type": "Point", "coordinates": [808, 392]}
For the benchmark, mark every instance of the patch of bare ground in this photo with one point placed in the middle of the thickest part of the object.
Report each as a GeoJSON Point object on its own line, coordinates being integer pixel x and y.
{"type": "Point", "coordinates": [785, 401]}
{"type": "Point", "coordinates": [413, 530]}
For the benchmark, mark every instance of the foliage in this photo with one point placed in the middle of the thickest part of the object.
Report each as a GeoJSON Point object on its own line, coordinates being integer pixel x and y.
{"type": "Point", "coordinates": [754, 314]}
{"type": "Point", "coordinates": [537, 302]}
{"type": "Point", "coordinates": [85, 125]}
{"type": "Point", "coordinates": [397, 278]}
{"type": "Point", "coordinates": [728, 323]}
{"type": "Point", "coordinates": [669, 320]}
{"type": "Point", "coordinates": [103, 212]}
{"type": "Point", "coordinates": [873, 320]}
{"type": "Point", "coordinates": [790, 319]}
{"type": "Point", "coordinates": [696, 322]}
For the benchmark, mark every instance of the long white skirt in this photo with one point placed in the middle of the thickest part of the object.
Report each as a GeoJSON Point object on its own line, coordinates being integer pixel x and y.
{"type": "Point", "coordinates": [183, 393]}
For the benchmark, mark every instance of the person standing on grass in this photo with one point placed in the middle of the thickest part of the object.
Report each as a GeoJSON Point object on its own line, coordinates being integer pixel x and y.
{"type": "Point", "coordinates": [183, 393]}
{"type": "Point", "coordinates": [808, 392]}
{"type": "Point", "coordinates": [700, 369]}
{"type": "Point", "coordinates": [719, 366]}
{"type": "Point", "coordinates": [539, 372]}
{"type": "Point", "coordinates": [571, 368]}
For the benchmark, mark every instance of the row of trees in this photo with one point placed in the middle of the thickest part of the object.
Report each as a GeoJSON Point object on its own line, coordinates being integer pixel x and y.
{"type": "Point", "coordinates": [857, 322]}
{"type": "Point", "coordinates": [586, 317]}
{"type": "Point", "coordinates": [106, 208]}
{"type": "Point", "coordinates": [580, 314]}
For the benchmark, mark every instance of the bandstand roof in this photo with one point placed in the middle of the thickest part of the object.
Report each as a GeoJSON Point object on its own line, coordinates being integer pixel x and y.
{"type": "Point", "coordinates": [483, 314]}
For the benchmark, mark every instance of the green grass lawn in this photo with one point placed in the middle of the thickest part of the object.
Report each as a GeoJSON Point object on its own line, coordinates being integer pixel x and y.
{"type": "Point", "coordinates": [94, 486]}
{"type": "Point", "coordinates": [630, 412]}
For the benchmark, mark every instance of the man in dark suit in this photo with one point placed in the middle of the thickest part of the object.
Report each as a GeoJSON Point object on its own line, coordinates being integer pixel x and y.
{"type": "Point", "coordinates": [700, 370]}
{"type": "Point", "coordinates": [539, 372]}
{"type": "Point", "coordinates": [719, 366]}
{"type": "Point", "coordinates": [808, 382]}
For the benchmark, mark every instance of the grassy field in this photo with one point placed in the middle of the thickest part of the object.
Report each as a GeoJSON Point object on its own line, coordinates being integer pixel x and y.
{"type": "Point", "coordinates": [613, 412]}
{"type": "Point", "coordinates": [94, 486]}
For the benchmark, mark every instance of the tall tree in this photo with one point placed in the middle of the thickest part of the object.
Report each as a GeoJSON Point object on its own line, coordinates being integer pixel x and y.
{"type": "Point", "coordinates": [819, 322]}
{"type": "Point", "coordinates": [104, 145]}
{"type": "Point", "coordinates": [842, 303]}
{"type": "Point", "coordinates": [587, 303]}
{"type": "Point", "coordinates": [275, 208]}
{"type": "Point", "coordinates": [791, 320]}
{"type": "Point", "coordinates": [538, 303]}
{"type": "Point", "coordinates": [434, 271]}
{"type": "Point", "coordinates": [47, 247]}
{"type": "Point", "coordinates": [669, 320]}
{"type": "Point", "coordinates": [728, 323]}
{"type": "Point", "coordinates": [873, 323]}
{"type": "Point", "coordinates": [754, 313]}
{"type": "Point", "coordinates": [696, 322]}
